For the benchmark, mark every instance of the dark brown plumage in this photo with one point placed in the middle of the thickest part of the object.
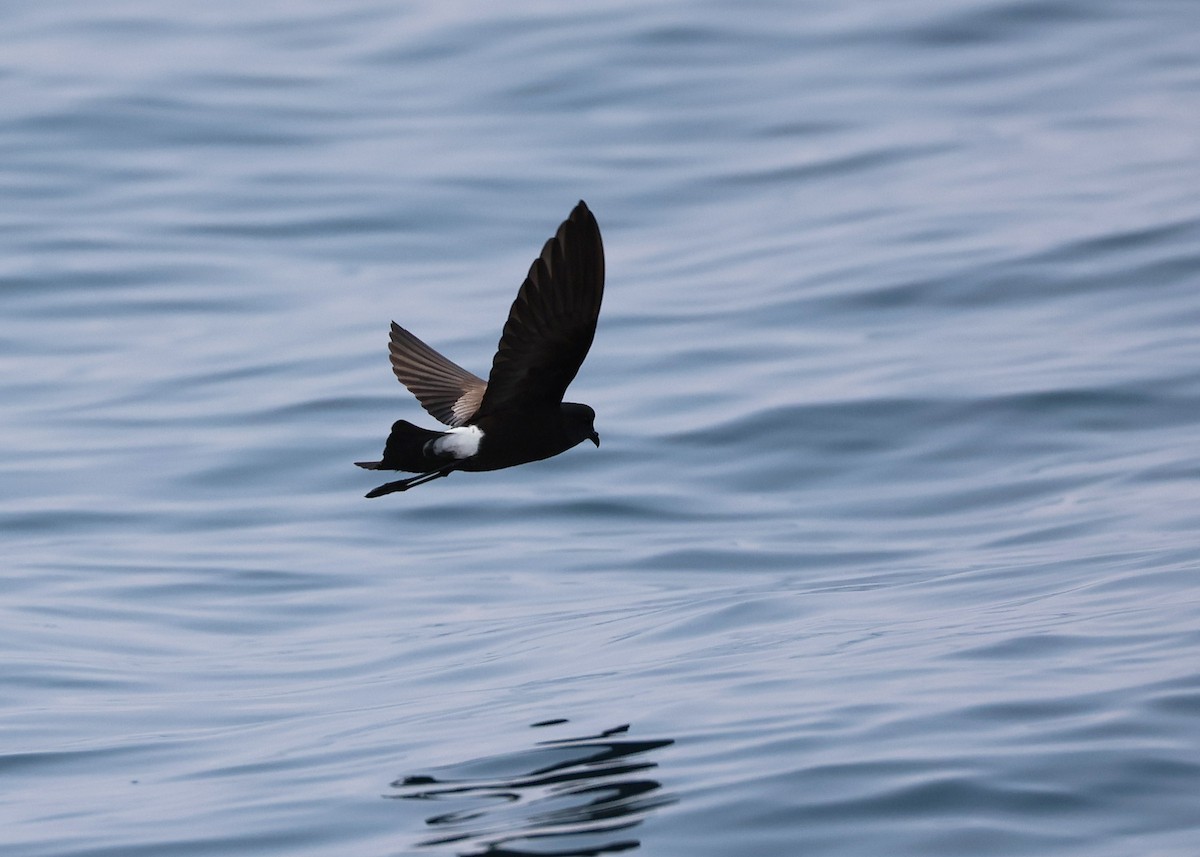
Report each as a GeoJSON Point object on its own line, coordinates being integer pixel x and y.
{"type": "Point", "coordinates": [518, 414]}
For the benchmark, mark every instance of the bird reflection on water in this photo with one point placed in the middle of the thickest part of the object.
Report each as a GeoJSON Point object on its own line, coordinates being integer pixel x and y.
{"type": "Point", "coordinates": [573, 793]}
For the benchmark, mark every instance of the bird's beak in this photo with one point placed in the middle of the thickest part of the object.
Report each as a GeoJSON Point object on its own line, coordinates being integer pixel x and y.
{"type": "Point", "coordinates": [595, 438]}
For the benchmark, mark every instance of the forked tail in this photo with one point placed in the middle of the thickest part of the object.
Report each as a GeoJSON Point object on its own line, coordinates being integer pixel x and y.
{"type": "Point", "coordinates": [406, 450]}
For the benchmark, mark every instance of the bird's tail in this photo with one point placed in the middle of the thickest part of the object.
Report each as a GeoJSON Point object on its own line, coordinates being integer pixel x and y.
{"type": "Point", "coordinates": [405, 450]}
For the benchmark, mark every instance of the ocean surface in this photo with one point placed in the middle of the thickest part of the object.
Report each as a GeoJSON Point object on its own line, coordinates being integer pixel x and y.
{"type": "Point", "coordinates": [892, 546]}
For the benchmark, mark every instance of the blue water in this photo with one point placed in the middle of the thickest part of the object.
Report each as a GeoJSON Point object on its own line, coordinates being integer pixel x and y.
{"type": "Point", "coordinates": [890, 548]}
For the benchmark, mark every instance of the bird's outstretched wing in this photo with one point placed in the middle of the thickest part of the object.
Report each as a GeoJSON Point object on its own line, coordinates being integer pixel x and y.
{"type": "Point", "coordinates": [552, 322]}
{"type": "Point", "coordinates": [449, 392]}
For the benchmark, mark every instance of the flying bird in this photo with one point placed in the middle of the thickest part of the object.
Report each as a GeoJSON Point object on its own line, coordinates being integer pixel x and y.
{"type": "Point", "coordinates": [518, 415]}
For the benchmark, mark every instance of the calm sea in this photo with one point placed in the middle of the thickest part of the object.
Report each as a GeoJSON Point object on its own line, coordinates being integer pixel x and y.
{"type": "Point", "coordinates": [893, 543]}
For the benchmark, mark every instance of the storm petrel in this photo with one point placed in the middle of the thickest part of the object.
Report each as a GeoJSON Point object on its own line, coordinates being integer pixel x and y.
{"type": "Point", "coordinates": [518, 415]}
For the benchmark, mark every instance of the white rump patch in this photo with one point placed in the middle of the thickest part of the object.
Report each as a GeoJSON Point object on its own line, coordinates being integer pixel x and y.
{"type": "Point", "coordinates": [461, 442]}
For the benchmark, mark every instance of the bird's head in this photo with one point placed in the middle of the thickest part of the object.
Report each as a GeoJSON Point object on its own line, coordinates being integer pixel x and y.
{"type": "Point", "coordinates": [580, 422]}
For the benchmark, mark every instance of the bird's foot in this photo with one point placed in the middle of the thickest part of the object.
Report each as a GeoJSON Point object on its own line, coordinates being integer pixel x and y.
{"type": "Point", "coordinates": [411, 482]}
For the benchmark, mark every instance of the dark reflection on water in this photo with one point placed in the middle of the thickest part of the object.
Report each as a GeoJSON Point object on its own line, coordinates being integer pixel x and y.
{"type": "Point", "coordinates": [578, 792]}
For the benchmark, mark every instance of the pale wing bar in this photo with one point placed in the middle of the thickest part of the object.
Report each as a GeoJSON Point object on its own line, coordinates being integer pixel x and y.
{"type": "Point", "coordinates": [447, 391]}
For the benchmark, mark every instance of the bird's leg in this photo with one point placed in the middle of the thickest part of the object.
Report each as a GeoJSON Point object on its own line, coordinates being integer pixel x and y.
{"type": "Point", "coordinates": [411, 482]}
